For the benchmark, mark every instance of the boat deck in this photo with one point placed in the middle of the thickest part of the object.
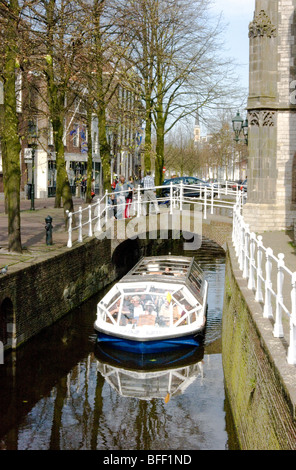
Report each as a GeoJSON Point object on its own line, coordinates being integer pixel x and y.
{"type": "Point", "coordinates": [160, 298]}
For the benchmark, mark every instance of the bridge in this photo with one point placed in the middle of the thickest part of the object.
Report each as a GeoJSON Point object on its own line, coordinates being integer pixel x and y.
{"type": "Point", "coordinates": [195, 201]}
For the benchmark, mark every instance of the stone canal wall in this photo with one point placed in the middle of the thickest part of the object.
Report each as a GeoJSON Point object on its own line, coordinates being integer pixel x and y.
{"type": "Point", "coordinates": [36, 296]}
{"type": "Point", "coordinates": [43, 292]}
{"type": "Point", "coordinates": [259, 383]}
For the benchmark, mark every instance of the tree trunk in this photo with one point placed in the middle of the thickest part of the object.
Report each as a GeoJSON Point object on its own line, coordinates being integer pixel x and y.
{"type": "Point", "coordinates": [56, 98]}
{"type": "Point", "coordinates": [11, 140]}
{"type": "Point", "coordinates": [160, 129]}
{"type": "Point", "coordinates": [104, 146]}
{"type": "Point", "coordinates": [89, 155]}
{"type": "Point", "coordinates": [63, 190]}
{"type": "Point", "coordinates": [148, 138]}
{"type": "Point", "coordinates": [100, 98]}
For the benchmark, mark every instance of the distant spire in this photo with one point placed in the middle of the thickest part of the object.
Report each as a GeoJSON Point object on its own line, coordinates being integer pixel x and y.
{"type": "Point", "coordinates": [196, 128]}
{"type": "Point", "coordinates": [197, 119]}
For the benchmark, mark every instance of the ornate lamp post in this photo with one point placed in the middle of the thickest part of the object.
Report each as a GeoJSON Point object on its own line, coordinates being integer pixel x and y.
{"type": "Point", "coordinates": [237, 124]}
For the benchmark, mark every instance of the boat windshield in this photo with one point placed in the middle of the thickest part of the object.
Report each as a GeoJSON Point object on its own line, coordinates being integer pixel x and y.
{"type": "Point", "coordinates": [150, 304]}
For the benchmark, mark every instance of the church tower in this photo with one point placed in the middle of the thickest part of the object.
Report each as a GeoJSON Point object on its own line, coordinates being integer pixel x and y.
{"type": "Point", "coordinates": [271, 203]}
{"type": "Point", "coordinates": [197, 130]}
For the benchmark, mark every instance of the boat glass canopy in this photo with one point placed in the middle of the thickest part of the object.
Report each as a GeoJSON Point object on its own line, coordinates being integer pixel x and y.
{"type": "Point", "coordinates": [157, 294]}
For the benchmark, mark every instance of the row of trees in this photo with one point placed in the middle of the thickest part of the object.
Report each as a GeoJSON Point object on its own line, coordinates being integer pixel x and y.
{"type": "Point", "coordinates": [164, 51]}
{"type": "Point", "coordinates": [219, 150]}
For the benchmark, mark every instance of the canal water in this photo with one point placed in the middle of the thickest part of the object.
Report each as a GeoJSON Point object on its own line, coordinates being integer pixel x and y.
{"type": "Point", "coordinates": [61, 392]}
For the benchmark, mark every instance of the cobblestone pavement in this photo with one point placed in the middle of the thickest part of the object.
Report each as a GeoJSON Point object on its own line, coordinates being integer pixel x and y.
{"type": "Point", "coordinates": [33, 233]}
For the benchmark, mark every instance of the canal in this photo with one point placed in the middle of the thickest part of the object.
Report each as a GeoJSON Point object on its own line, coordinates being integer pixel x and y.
{"type": "Point", "coordinates": [61, 392]}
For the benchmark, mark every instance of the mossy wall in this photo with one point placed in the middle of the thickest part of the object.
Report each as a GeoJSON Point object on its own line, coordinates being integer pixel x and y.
{"type": "Point", "coordinates": [261, 407]}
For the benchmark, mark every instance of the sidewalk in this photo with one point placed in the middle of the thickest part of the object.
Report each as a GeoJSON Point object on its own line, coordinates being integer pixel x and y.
{"type": "Point", "coordinates": [281, 242]}
{"type": "Point", "coordinates": [33, 233]}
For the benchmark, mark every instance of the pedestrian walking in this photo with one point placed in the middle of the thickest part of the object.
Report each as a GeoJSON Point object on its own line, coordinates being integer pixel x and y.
{"type": "Point", "coordinates": [83, 187]}
{"type": "Point", "coordinates": [93, 188]}
{"type": "Point", "coordinates": [129, 197]}
{"type": "Point", "coordinates": [149, 193]}
{"type": "Point", "coordinates": [121, 191]}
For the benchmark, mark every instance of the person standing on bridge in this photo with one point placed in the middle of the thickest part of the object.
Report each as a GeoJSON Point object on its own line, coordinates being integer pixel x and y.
{"type": "Point", "coordinates": [129, 197]}
{"type": "Point", "coordinates": [149, 193]}
{"type": "Point", "coordinates": [121, 191]}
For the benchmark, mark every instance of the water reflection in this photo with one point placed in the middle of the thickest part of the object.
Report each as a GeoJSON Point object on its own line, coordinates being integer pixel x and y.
{"type": "Point", "coordinates": [151, 376]}
{"type": "Point", "coordinates": [61, 392]}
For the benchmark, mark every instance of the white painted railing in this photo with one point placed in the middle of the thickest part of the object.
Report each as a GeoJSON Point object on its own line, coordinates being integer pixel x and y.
{"type": "Point", "coordinates": [95, 216]}
{"type": "Point", "coordinates": [272, 282]}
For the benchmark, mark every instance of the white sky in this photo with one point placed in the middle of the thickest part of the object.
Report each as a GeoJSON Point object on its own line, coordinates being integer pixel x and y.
{"type": "Point", "coordinates": [237, 14]}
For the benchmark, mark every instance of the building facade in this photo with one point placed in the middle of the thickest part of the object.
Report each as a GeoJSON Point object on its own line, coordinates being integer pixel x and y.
{"type": "Point", "coordinates": [272, 116]}
{"type": "Point", "coordinates": [123, 133]}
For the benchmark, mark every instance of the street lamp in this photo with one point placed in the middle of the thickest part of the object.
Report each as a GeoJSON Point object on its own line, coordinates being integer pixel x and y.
{"type": "Point", "coordinates": [237, 124]}
{"type": "Point", "coordinates": [246, 130]}
{"type": "Point", "coordinates": [33, 145]}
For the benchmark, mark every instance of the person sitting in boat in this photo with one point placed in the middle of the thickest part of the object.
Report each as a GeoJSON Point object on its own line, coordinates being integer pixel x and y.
{"type": "Point", "coordinates": [125, 312]}
{"type": "Point", "coordinates": [177, 312]}
{"type": "Point", "coordinates": [149, 316]}
{"type": "Point", "coordinates": [165, 313]}
{"type": "Point", "coordinates": [168, 271]}
{"type": "Point", "coordinates": [150, 308]}
{"type": "Point", "coordinates": [137, 307]}
{"type": "Point", "coordinates": [114, 310]}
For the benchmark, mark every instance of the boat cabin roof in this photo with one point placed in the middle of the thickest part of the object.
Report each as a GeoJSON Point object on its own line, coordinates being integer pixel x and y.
{"type": "Point", "coordinates": [168, 269]}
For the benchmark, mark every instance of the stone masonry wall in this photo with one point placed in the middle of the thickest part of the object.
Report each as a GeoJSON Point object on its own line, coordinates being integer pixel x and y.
{"type": "Point", "coordinates": [256, 372]}
{"type": "Point", "coordinates": [45, 291]}
{"type": "Point", "coordinates": [272, 117]}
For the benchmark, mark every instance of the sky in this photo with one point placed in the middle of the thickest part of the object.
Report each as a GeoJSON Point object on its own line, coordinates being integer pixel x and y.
{"type": "Point", "coordinates": [237, 14]}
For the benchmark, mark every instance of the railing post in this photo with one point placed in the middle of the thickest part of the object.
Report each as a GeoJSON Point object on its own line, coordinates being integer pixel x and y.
{"type": "Point", "coordinates": [236, 229]}
{"type": "Point", "coordinates": [80, 224]}
{"type": "Point", "coordinates": [241, 249]}
{"type": "Point", "coordinates": [278, 326]}
{"type": "Point", "coordinates": [219, 194]}
{"type": "Point", "coordinates": [98, 226]}
{"type": "Point", "coordinates": [212, 200]}
{"type": "Point", "coordinates": [251, 283]}
{"type": "Point", "coordinates": [90, 232]}
{"type": "Point", "coordinates": [267, 311]}
{"type": "Point", "coordinates": [205, 202]}
{"type": "Point", "coordinates": [106, 207]}
{"type": "Point", "coordinates": [69, 243]}
{"type": "Point", "coordinates": [246, 253]}
{"type": "Point", "coordinates": [259, 295]}
{"type": "Point", "coordinates": [171, 198]}
{"type": "Point", "coordinates": [291, 358]}
{"type": "Point", "coordinates": [181, 196]}
{"type": "Point", "coordinates": [226, 186]}
{"type": "Point", "coordinates": [234, 226]}
{"type": "Point", "coordinates": [139, 201]}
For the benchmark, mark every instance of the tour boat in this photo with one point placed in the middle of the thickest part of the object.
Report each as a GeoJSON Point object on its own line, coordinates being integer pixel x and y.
{"type": "Point", "coordinates": [160, 305]}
